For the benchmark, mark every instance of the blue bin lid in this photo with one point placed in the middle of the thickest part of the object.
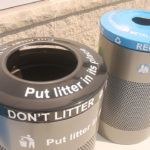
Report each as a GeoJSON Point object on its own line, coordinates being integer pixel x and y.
{"type": "Point", "coordinates": [128, 28]}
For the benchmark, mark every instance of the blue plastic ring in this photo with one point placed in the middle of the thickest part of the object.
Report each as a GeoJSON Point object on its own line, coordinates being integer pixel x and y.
{"type": "Point", "coordinates": [128, 28]}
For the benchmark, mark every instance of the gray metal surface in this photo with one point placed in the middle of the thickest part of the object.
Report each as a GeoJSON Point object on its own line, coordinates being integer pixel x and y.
{"type": "Point", "coordinates": [126, 105]}
{"type": "Point", "coordinates": [58, 119]}
{"type": "Point", "coordinates": [83, 128]}
{"type": "Point", "coordinates": [124, 63]}
{"type": "Point", "coordinates": [125, 116]}
{"type": "Point", "coordinates": [121, 136]}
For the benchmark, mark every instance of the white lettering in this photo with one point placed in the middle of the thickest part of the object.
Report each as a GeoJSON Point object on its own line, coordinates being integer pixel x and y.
{"type": "Point", "coordinates": [11, 114]}
{"type": "Point", "coordinates": [139, 46]}
{"type": "Point", "coordinates": [37, 94]}
{"type": "Point", "coordinates": [144, 47]}
{"type": "Point", "coordinates": [89, 56]}
{"type": "Point", "coordinates": [56, 141]}
{"type": "Point", "coordinates": [21, 116]}
{"type": "Point", "coordinates": [29, 90]}
{"type": "Point", "coordinates": [50, 141]}
{"type": "Point", "coordinates": [66, 90]}
{"type": "Point", "coordinates": [32, 117]}
{"type": "Point", "coordinates": [57, 117]}
{"type": "Point", "coordinates": [91, 103]}
{"type": "Point", "coordinates": [84, 106]}
{"type": "Point", "coordinates": [45, 116]}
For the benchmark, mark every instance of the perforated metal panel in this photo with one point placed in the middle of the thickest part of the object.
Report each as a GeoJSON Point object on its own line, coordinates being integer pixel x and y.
{"type": "Point", "coordinates": [89, 145]}
{"type": "Point", "coordinates": [126, 104]}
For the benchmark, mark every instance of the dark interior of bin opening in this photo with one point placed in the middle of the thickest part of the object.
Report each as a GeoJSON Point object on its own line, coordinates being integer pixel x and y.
{"type": "Point", "coordinates": [141, 21]}
{"type": "Point", "coordinates": [41, 64]}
